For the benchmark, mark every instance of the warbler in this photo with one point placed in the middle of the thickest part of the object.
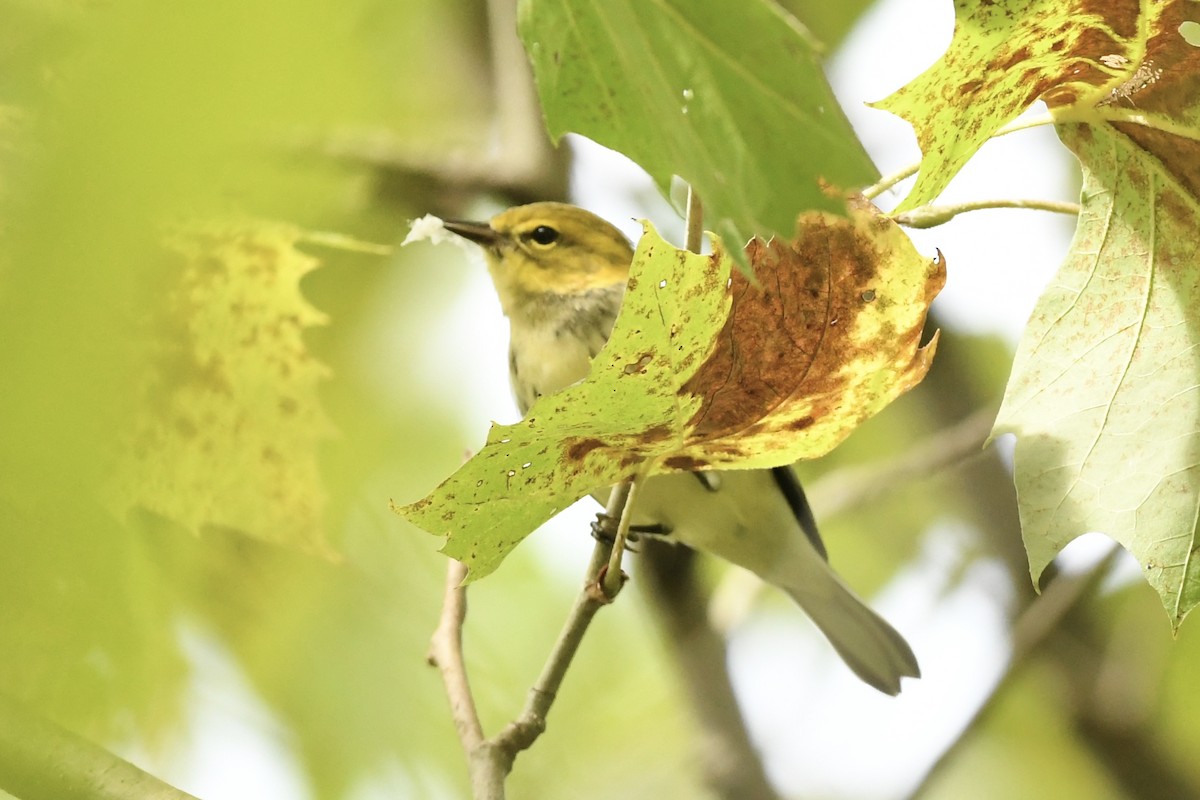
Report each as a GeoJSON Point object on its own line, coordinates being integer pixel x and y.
{"type": "Point", "coordinates": [560, 273]}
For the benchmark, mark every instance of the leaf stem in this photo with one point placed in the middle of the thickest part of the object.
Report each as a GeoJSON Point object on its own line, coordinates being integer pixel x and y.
{"type": "Point", "coordinates": [888, 181]}
{"type": "Point", "coordinates": [932, 216]}
{"type": "Point", "coordinates": [341, 241]}
{"type": "Point", "coordinates": [727, 759]}
{"type": "Point", "coordinates": [613, 577]}
{"type": "Point", "coordinates": [695, 222]}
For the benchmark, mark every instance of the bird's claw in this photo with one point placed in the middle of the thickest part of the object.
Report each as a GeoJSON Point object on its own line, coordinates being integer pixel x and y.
{"type": "Point", "coordinates": [604, 530]}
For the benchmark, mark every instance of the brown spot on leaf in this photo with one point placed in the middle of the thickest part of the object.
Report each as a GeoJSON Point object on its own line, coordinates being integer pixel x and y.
{"type": "Point", "coordinates": [1013, 59]}
{"type": "Point", "coordinates": [579, 449]}
{"type": "Point", "coordinates": [657, 433]}
{"type": "Point", "coordinates": [687, 463]}
{"type": "Point", "coordinates": [639, 365]}
{"type": "Point", "coordinates": [789, 338]}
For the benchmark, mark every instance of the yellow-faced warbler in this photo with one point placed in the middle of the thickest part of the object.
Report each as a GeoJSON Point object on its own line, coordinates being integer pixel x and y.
{"type": "Point", "coordinates": [560, 273]}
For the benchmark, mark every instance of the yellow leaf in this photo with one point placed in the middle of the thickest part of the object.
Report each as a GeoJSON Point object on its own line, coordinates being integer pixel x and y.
{"type": "Point", "coordinates": [230, 420]}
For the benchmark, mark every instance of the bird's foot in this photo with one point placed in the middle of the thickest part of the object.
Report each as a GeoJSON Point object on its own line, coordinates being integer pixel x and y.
{"type": "Point", "coordinates": [604, 529]}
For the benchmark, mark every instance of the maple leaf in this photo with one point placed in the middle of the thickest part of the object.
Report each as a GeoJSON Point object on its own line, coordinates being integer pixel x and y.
{"type": "Point", "coordinates": [736, 108]}
{"type": "Point", "coordinates": [229, 420]}
{"type": "Point", "coordinates": [1004, 55]}
{"type": "Point", "coordinates": [705, 369]}
{"type": "Point", "coordinates": [1103, 395]}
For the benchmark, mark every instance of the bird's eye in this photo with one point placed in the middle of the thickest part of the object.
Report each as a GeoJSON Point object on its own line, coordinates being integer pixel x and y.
{"type": "Point", "coordinates": [543, 235]}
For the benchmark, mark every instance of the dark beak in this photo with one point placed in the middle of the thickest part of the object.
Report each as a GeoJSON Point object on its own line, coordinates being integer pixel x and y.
{"type": "Point", "coordinates": [479, 232]}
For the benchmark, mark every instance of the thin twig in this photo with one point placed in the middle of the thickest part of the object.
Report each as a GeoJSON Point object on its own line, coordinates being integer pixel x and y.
{"type": "Point", "coordinates": [490, 760]}
{"type": "Point", "coordinates": [445, 653]}
{"type": "Point", "coordinates": [888, 181]}
{"type": "Point", "coordinates": [521, 733]}
{"type": "Point", "coordinates": [341, 241]}
{"type": "Point", "coordinates": [613, 577]}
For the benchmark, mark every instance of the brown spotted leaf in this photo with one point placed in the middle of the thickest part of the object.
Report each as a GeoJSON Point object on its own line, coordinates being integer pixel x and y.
{"type": "Point", "coordinates": [229, 420]}
{"type": "Point", "coordinates": [705, 369]}
{"type": "Point", "coordinates": [1103, 396]}
{"type": "Point", "coordinates": [1004, 55]}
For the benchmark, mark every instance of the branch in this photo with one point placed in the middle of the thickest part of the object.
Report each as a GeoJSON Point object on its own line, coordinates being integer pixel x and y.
{"type": "Point", "coordinates": [1036, 623]}
{"type": "Point", "coordinates": [731, 766]}
{"type": "Point", "coordinates": [521, 733]}
{"type": "Point", "coordinates": [42, 761]}
{"type": "Point", "coordinates": [445, 653]}
{"type": "Point", "coordinates": [613, 578]}
{"type": "Point", "coordinates": [513, 158]}
{"type": "Point", "coordinates": [490, 760]}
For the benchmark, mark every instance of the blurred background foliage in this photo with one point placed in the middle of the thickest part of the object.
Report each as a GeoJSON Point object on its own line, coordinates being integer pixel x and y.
{"type": "Point", "coordinates": [117, 119]}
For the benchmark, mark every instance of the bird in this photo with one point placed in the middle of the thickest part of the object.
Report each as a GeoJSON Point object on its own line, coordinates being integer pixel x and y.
{"type": "Point", "coordinates": [560, 273]}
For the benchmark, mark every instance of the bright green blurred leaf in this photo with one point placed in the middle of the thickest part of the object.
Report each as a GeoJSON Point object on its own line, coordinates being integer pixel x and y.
{"type": "Point", "coordinates": [829, 22]}
{"type": "Point", "coordinates": [228, 419]}
{"type": "Point", "coordinates": [705, 370]}
{"type": "Point", "coordinates": [731, 98]}
{"type": "Point", "coordinates": [115, 119]}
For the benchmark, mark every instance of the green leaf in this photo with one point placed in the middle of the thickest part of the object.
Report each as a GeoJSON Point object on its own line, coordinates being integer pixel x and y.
{"type": "Point", "coordinates": [230, 421]}
{"type": "Point", "coordinates": [1103, 396]}
{"type": "Point", "coordinates": [1004, 55]}
{"type": "Point", "coordinates": [703, 370]}
{"type": "Point", "coordinates": [731, 100]}
{"type": "Point", "coordinates": [1103, 392]}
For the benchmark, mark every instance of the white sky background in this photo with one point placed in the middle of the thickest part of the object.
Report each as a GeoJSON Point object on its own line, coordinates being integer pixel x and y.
{"type": "Point", "coordinates": [823, 732]}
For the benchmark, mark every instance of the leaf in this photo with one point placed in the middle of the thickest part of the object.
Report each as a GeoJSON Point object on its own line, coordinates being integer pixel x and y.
{"type": "Point", "coordinates": [1004, 55]}
{"type": "Point", "coordinates": [1103, 393]}
{"type": "Point", "coordinates": [735, 106]}
{"type": "Point", "coordinates": [705, 369]}
{"type": "Point", "coordinates": [230, 420]}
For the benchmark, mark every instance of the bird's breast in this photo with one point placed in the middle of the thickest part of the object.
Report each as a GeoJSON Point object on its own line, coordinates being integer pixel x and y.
{"type": "Point", "coordinates": [552, 345]}
{"type": "Point", "coordinates": [544, 359]}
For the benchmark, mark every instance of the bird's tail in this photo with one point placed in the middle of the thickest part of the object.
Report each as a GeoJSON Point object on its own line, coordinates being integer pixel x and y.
{"type": "Point", "coordinates": [872, 648]}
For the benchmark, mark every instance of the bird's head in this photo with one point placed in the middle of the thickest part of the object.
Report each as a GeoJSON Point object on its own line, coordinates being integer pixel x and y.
{"type": "Point", "coordinates": [548, 248]}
